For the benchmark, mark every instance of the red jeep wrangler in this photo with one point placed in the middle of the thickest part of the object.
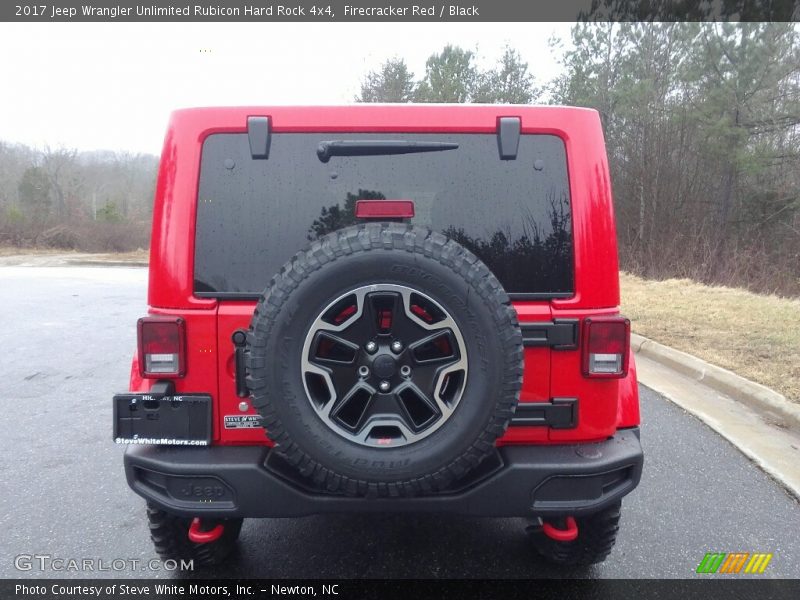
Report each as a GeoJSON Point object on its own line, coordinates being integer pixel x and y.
{"type": "Point", "coordinates": [382, 308]}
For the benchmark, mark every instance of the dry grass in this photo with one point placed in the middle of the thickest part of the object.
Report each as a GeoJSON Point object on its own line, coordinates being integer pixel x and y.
{"type": "Point", "coordinates": [15, 251]}
{"type": "Point", "coordinates": [133, 256]}
{"type": "Point", "coordinates": [754, 335]}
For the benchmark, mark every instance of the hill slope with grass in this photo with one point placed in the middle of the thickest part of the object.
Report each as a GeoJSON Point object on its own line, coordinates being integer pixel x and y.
{"type": "Point", "coordinates": [756, 336]}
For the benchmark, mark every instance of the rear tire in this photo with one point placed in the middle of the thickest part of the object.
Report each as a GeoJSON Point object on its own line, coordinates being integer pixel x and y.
{"type": "Point", "coordinates": [383, 256]}
{"type": "Point", "coordinates": [170, 536]}
{"type": "Point", "coordinates": [597, 534]}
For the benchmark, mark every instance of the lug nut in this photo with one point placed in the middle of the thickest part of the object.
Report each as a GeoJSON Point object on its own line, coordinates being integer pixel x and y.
{"type": "Point", "coordinates": [363, 371]}
{"type": "Point", "coordinates": [384, 386]}
{"type": "Point", "coordinates": [371, 347]}
{"type": "Point", "coordinates": [405, 371]}
{"type": "Point", "coordinates": [397, 346]}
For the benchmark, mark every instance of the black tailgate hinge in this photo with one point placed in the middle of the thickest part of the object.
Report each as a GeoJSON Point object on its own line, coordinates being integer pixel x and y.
{"type": "Point", "coordinates": [558, 334]}
{"type": "Point", "coordinates": [259, 135]}
{"type": "Point", "coordinates": [508, 130]}
{"type": "Point", "coordinates": [559, 413]}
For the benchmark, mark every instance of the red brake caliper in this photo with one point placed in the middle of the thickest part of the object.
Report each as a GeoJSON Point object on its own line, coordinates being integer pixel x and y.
{"type": "Point", "coordinates": [385, 321]}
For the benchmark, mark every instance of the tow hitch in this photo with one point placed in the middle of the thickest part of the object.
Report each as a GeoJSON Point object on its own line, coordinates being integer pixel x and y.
{"type": "Point", "coordinates": [561, 535]}
{"type": "Point", "coordinates": [198, 536]}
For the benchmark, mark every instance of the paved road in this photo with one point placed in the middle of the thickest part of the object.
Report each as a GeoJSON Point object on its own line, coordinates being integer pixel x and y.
{"type": "Point", "coordinates": [67, 335]}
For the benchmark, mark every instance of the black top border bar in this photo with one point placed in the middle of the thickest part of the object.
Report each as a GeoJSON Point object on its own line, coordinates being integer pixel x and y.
{"type": "Point", "coordinates": [398, 11]}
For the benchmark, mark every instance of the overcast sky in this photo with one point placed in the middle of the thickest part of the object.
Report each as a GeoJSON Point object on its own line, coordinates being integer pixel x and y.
{"type": "Point", "coordinates": [112, 85]}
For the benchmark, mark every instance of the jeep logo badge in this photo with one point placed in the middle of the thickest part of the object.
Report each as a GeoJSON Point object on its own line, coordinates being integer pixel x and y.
{"type": "Point", "coordinates": [202, 492]}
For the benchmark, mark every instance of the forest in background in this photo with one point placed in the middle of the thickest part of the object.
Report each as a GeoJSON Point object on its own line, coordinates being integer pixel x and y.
{"type": "Point", "coordinates": [59, 198]}
{"type": "Point", "coordinates": [702, 125]}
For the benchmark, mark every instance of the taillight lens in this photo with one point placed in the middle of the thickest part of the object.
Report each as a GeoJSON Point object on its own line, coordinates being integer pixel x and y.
{"type": "Point", "coordinates": [605, 343]}
{"type": "Point", "coordinates": [162, 344]}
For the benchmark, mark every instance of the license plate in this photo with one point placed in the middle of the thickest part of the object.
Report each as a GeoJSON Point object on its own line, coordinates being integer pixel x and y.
{"type": "Point", "coordinates": [180, 420]}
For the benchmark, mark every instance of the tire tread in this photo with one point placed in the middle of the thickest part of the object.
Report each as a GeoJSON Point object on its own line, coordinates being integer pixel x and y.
{"type": "Point", "coordinates": [367, 238]}
{"type": "Point", "coordinates": [170, 536]}
{"type": "Point", "coordinates": [597, 535]}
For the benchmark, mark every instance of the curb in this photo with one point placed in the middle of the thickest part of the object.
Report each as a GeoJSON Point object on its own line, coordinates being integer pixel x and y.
{"type": "Point", "coordinates": [758, 397]}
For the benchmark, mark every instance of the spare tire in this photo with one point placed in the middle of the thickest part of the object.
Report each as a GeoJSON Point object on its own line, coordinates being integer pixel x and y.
{"type": "Point", "coordinates": [385, 360]}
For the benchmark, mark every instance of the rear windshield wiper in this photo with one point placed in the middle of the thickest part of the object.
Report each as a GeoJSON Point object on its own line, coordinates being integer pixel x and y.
{"type": "Point", "coordinates": [378, 148]}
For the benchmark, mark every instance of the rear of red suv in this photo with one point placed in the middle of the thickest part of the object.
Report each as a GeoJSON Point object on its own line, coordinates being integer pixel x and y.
{"type": "Point", "coordinates": [383, 308]}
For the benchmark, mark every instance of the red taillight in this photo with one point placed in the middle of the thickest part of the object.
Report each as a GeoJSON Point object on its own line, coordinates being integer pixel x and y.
{"type": "Point", "coordinates": [384, 209]}
{"type": "Point", "coordinates": [605, 346]}
{"type": "Point", "coordinates": [162, 344]}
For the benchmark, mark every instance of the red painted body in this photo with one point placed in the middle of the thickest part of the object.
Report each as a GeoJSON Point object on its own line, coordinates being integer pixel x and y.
{"type": "Point", "coordinates": [605, 404]}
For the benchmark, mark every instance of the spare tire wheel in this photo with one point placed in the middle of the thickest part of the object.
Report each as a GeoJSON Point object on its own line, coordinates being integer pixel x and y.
{"type": "Point", "coordinates": [385, 360]}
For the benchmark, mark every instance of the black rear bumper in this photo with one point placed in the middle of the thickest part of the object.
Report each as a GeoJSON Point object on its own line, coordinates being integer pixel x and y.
{"type": "Point", "coordinates": [232, 481]}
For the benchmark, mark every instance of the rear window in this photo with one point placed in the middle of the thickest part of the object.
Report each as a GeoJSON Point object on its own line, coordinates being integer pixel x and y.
{"type": "Point", "coordinates": [254, 215]}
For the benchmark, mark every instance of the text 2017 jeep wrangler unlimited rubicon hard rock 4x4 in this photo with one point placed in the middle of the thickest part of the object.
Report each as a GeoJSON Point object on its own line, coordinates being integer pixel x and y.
{"type": "Point", "coordinates": [382, 308]}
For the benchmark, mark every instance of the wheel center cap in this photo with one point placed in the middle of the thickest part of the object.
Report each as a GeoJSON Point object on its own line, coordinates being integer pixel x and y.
{"type": "Point", "coordinates": [384, 366]}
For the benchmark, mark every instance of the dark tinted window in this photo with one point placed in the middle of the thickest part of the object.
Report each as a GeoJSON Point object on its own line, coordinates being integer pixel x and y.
{"type": "Point", "coordinates": [254, 215]}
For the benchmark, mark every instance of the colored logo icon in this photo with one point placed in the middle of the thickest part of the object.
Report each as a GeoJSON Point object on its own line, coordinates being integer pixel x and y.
{"type": "Point", "coordinates": [734, 562]}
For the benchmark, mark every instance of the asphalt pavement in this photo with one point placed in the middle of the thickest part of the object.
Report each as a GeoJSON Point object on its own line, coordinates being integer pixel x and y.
{"type": "Point", "coordinates": [68, 334]}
